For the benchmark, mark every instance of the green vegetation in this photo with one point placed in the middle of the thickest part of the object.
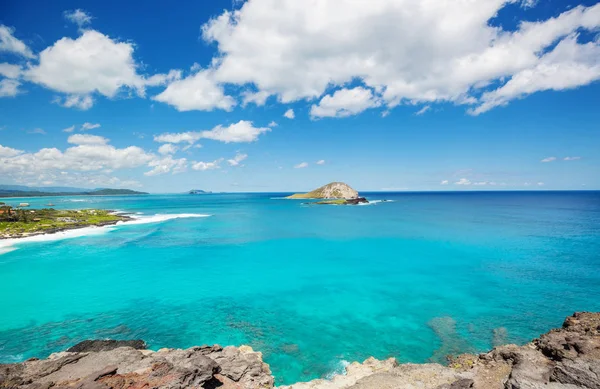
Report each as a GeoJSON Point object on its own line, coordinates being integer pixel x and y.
{"type": "Point", "coordinates": [17, 222]}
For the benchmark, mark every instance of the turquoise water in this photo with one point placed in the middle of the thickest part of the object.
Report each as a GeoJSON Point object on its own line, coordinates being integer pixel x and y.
{"type": "Point", "coordinates": [310, 286]}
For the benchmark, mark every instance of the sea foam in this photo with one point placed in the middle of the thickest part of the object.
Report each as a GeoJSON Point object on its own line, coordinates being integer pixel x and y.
{"type": "Point", "coordinates": [8, 245]}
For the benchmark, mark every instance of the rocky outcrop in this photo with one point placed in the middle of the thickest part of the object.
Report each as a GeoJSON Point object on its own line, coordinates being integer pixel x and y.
{"type": "Point", "coordinates": [118, 365]}
{"type": "Point", "coordinates": [565, 358]}
{"type": "Point", "coordinates": [334, 190]}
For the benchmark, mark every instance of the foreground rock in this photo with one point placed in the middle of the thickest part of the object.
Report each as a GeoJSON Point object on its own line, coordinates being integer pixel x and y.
{"type": "Point", "coordinates": [334, 190]}
{"type": "Point", "coordinates": [115, 364]}
{"type": "Point", "coordinates": [565, 358]}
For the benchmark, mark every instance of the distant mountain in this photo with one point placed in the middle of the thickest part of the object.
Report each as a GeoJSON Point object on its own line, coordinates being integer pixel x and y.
{"type": "Point", "coordinates": [198, 191]}
{"type": "Point", "coordinates": [48, 189]}
{"type": "Point", "coordinates": [334, 190]}
{"type": "Point", "coordinates": [84, 192]}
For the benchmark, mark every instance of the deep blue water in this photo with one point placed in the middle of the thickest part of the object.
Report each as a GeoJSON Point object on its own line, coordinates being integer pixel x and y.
{"type": "Point", "coordinates": [310, 286]}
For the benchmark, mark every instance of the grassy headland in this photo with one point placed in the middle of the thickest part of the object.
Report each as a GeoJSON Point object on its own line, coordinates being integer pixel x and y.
{"type": "Point", "coordinates": [17, 223]}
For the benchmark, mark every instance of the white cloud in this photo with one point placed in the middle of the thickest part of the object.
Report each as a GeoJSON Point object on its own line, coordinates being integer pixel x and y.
{"type": "Point", "coordinates": [85, 139]}
{"type": "Point", "coordinates": [480, 183]}
{"type": "Point", "coordinates": [10, 71]}
{"type": "Point", "coordinates": [289, 114]}
{"type": "Point", "coordinates": [166, 165]}
{"type": "Point", "coordinates": [571, 158]}
{"type": "Point", "coordinates": [167, 148]}
{"type": "Point", "coordinates": [10, 44]}
{"type": "Point", "coordinates": [301, 165]}
{"type": "Point", "coordinates": [237, 159]}
{"type": "Point", "coordinates": [444, 182]}
{"type": "Point", "coordinates": [196, 92]}
{"type": "Point", "coordinates": [9, 152]}
{"type": "Point", "coordinates": [207, 165]}
{"type": "Point", "coordinates": [9, 88]}
{"type": "Point", "coordinates": [423, 110]}
{"type": "Point", "coordinates": [242, 131]}
{"type": "Point", "coordinates": [79, 17]}
{"type": "Point", "coordinates": [89, 126]}
{"type": "Point", "coordinates": [82, 102]}
{"type": "Point", "coordinates": [463, 181]}
{"type": "Point", "coordinates": [568, 65]}
{"type": "Point", "coordinates": [548, 159]}
{"type": "Point", "coordinates": [92, 63]}
{"type": "Point", "coordinates": [408, 51]}
{"type": "Point", "coordinates": [540, 184]}
{"type": "Point", "coordinates": [345, 102]}
{"type": "Point", "coordinates": [272, 124]}
{"type": "Point", "coordinates": [321, 162]}
{"type": "Point", "coordinates": [69, 129]}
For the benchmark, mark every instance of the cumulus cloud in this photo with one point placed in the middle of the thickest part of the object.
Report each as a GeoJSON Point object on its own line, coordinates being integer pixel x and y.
{"type": "Point", "coordinates": [242, 131]}
{"type": "Point", "coordinates": [409, 52]}
{"type": "Point", "coordinates": [9, 152]}
{"type": "Point", "coordinates": [272, 124]}
{"type": "Point", "coordinates": [463, 181]}
{"type": "Point", "coordinates": [235, 161]}
{"type": "Point", "coordinates": [167, 149]}
{"type": "Point", "coordinates": [79, 17]}
{"type": "Point", "coordinates": [301, 165]}
{"type": "Point", "coordinates": [257, 98]}
{"type": "Point", "coordinates": [196, 92]}
{"type": "Point", "coordinates": [201, 166]}
{"type": "Point", "coordinates": [10, 44]}
{"type": "Point", "coordinates": [85, 139]}
{"type": "Point", "coordinates": [92, 63]}
{"type": "Point", "coordinates": [289, 114]}
{"type": "Point", "coordinates": [321, 162]}
{"type": "Point", "coordinates": [548, 159]}
{"type": "Point", "coordinates": [69, 129]}
{"type": "Point", "coordinates": [345, 102]}
{"type": "Point", "coordinates": [9, 88]}
{"type": "Point", "coordinates": [444, 182]}
{"type": "Point", "coordinates": [571, 158]}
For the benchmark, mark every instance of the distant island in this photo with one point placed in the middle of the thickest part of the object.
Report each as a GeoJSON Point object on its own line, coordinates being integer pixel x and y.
{"type": "Point", "coordinates": [334, 193]}
{"type": "Point", "coordinates": [198, 191]}
{"type": "Point", "coordinates": [39, 192]}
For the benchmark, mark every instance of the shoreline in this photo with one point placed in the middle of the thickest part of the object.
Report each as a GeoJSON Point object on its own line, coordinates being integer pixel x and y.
{"type": "Point", "coordinates": [563, 358]}
{"type": "Point", "coordinates": [124, 217]}
{"type": "Point", "coordinates": [8, 244]}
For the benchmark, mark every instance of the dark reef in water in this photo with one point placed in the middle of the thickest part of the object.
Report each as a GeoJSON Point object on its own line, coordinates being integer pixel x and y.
{"type": "Point", "coordinates": [565, 358]}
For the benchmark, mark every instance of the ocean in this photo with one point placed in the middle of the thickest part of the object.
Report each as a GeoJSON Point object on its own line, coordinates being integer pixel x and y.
{"type": "Point", "coordinates": [311, 287]}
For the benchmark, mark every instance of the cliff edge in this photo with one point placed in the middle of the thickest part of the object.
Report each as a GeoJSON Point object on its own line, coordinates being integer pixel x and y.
{"type": "Point", "coordinates": [565, 358]}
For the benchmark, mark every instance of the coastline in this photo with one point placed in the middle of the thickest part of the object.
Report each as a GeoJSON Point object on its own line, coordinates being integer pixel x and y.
{"type": "Point", "coordinates": [8, 244]}
{"type": "Point", "coordinates": [563, 358]}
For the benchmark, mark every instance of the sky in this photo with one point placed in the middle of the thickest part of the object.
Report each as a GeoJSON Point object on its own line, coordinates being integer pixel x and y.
{"type": "Point", "coordinates": [288, 95]}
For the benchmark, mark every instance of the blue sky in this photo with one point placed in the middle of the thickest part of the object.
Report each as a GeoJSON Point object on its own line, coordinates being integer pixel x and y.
{"type": "Point", "coordinates": [386, 95]}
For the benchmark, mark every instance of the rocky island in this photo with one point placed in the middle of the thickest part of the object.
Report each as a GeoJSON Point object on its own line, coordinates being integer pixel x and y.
{"type": "Point", "coordinates": [20, 223]}
{"type": "Point", "coordinates": [565, 358]}
{"type": "Point", "coordinates": [334, 193]}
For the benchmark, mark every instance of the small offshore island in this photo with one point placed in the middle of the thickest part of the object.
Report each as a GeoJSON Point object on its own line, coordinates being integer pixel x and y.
{"type": "Point", "coordinates": [334, 193]}
{"type": "Point", "coordinates": [21, 223]}
{"type": "Point", "coordinates": [565, 358]}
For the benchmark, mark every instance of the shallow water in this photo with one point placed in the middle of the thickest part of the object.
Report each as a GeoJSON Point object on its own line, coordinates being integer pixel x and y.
{"type": "Point", "coordinates": [312, 287]}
